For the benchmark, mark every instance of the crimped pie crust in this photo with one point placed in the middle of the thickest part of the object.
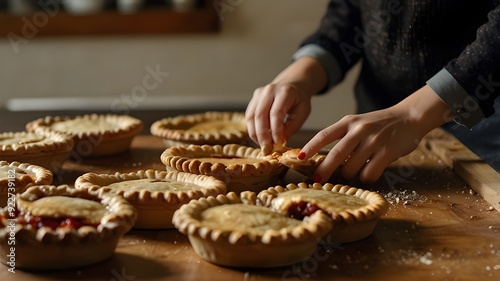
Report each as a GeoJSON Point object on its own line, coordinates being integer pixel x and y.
{"type": "Point", "coordinates": [94, 134]}
{"type": "Point", "coordinates": [242, 168]}
{"type": "Point", "coordinates": [46, 248]}
{"type": "Point", "coordinates": [20, 176]}
{"type": "Point", "coordinates": [355, 212]}
{"type": "Point", "coordinates": [209, 128]}
{"type": "Point", "coordinates": [234, 231]}
{"type": "Point", "coordinates": [46, 150]}
{"type": "Point", "coordinates": [153, 193]}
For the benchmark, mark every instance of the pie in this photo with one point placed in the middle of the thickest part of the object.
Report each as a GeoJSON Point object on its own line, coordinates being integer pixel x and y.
{"type": "Point", "coordinates": [354, 212]}
{"type": "Point", "coordinates": [209, 128]}
{"type": "Point", "coordinates": [16, 177]}
{"type": "Point", "coordinates": [59, 227]}
{"type": "Point", "coordinates": [234, 231]}
{"type": "Point", "coordinates": [94, 134]}
{"type": "Point", "coordinates": [46, 150]}
{"type": "Point", "coordinates": [156, 195]}
{"type": "Point", "coordinates": [241, 167]}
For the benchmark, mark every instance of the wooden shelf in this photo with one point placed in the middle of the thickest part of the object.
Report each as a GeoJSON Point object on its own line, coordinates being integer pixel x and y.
{"type": "Point", "coordinates": [148, 21]}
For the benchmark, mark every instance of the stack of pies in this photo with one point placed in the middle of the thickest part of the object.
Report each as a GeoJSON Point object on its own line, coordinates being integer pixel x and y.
{"type": "Point", "coordinates": [19, 176]}
{"type": "Point", "coordinates": [156, 195]}
{"type": "Point", "coordinates": [59, 227]}
{"type": "Point", "coordinates": [242, 168]}
{"type": "Point", "coordinates": [48, 150]}
{"type": "Point", "coordinates": [94, 134]}
{"type": "Point", "coordinates": [209, 128]}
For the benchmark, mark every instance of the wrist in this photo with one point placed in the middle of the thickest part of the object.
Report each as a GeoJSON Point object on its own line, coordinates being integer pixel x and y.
{"type": "Point", "coordinates": [426, 110]}
{"type": "Point", "coordinates": [305, 74]}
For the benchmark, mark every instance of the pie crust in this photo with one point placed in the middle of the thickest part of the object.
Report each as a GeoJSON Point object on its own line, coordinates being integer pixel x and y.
{"type": "Point", "coordinates": [306, 167]}
{"type": "Point", "coordinates": [94, 134]}
{"type": "Point", "coordinates": [355, 212]}
{"type": "Point", "coordinates": [46, 150]}
{"type": "Point", "coordinates": [16, 177]}
{"type": "Point", "coordinates": [44, 247]}
{"type": "Point", "coordinates": [242, 168]}
{"type": "Point", "coordinates": [156, 195]}
{"type": "Point", "coordinates": [236, 232]}
{"type": "Point", "coordinates": [209, 128]}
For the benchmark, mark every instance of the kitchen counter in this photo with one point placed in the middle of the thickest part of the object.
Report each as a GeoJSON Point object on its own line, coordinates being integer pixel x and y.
{"type": "Point", "coordinates": [438, 227]}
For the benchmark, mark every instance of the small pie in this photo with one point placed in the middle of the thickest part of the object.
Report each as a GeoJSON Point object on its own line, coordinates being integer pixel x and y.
{"type": "Point", "coordinates": [354, 212]}
{"type": "Point", "coordinates": [156, 195]}
{"type": "Point", "coordinates": [46, 150]}
{"type": "Point", "coordinates": [242, 168]}
{"type": "Point", "coordinates": [16, 177]}
{"type": "Point", "coordinates": [94, 134]}
{"type": "Point", "coordinates": [236, 232]}
{"type": "Point", "coordinates": [59, 227]}
{"type": "Point", "coordinates": [209, 128]}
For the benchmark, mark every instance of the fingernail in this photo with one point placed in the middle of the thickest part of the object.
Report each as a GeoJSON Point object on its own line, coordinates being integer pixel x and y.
{"type": "Point", "coordinates": [301, 155]}
{"type": "Point", "coordinates": [267, 149]}
{"type": "Point", "coordinates": [317, 178]}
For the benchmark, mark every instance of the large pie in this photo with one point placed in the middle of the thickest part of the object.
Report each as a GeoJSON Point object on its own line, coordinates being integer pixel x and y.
{"type": "Point", "coordinates": [58, 227]}
{"type": "Point", "coordinates": [156, 195]}
{"type": "Point", "coordinates": [231, 230]}
{"type": "Point", "coordinates": [15, 177]}
{"type": "Point", "coordinates": [242, 168]}
{"type": "Point", "coordinates": [46, 150]}
{"type": "Point", "coordinates": [94, 134]}
{"type": "Point", "coordinates": [354, 212]}
{"type": "Point", "coordinates": [209, 128]}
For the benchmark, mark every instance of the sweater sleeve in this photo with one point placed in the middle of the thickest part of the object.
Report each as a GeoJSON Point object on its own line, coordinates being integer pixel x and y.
{"type": "Point", "coordinates": [476, 72]}
{"type": "Point", "coordinates": [335, 44]}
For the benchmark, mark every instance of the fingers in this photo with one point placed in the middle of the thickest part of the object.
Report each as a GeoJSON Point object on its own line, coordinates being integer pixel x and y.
{"type": "Point", "coordinates": [257, 117]}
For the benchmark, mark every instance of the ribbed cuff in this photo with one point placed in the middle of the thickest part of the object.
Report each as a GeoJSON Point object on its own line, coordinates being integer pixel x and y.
{"type": "Point", "coordinates": [453, 94]}
{"type": "Point", "coordinates": [327, 61]}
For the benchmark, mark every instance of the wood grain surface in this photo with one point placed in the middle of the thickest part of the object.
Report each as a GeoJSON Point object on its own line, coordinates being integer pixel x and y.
{"type": "Point", "coordinates": [438, 228]}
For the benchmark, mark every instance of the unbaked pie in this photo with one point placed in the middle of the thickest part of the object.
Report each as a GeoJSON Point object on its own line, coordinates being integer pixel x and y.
{"type": "Point", "coordinates": [354, 212]}
{"type": "Point", "coordinates": [234, 231]}
{"type": "Point", "coordinates": [46, 150]}
{"type": "Point", "coordinates": [242, 168]}
{"type": "Point", "coordinates": [94, 134]}
{"type": "Point", "coordinates": [209, 128]}
{"type": "Point", "coordinates": [156, 195]}
{"type": "Point", "coordinates": [15, 177]}
{"type": "Point", "coordinates": [59, 227]}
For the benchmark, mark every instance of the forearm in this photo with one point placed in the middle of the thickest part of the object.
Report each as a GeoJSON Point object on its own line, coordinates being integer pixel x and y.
{"type": "Point", "coordinates": [425, 109]}
{"type": "Point", "coordinates": [306, 74]}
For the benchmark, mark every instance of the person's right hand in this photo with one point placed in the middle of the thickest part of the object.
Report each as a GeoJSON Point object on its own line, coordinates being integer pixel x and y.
{"type": "Point", "coordinates": [275, 112]}
{"type": "Point", "coordinates": [278, 110]}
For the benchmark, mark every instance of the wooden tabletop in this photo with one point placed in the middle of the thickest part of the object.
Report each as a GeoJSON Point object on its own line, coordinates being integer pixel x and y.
{"type": "Point", "coordinates": [437, 228]}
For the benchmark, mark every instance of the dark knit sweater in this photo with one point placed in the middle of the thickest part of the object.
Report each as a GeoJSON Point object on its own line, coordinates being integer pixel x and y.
{"type": "Point", "coordinates": [404, 43]}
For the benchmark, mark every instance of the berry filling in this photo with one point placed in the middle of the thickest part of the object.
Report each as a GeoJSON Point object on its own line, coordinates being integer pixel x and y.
{"type": "Point", "coordinates": [300, 210]}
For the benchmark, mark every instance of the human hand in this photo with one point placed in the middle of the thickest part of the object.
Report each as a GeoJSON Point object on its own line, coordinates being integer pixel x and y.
{"type": "Point", "coordinates": [275, 112]}
{"type": "Point", "coordinates": [369, 142]}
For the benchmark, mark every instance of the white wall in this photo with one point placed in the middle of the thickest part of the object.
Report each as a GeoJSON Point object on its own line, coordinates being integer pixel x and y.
{"type": "Point", "coordinates": [256, 41]}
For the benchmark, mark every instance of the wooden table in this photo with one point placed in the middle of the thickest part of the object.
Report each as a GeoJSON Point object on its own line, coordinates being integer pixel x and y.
{"type": "Point", "coordinates": [437, 228]}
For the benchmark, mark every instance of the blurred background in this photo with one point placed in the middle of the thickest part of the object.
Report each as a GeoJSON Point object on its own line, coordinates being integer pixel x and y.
{"type": "Point", "coordinates": [127, 55]}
